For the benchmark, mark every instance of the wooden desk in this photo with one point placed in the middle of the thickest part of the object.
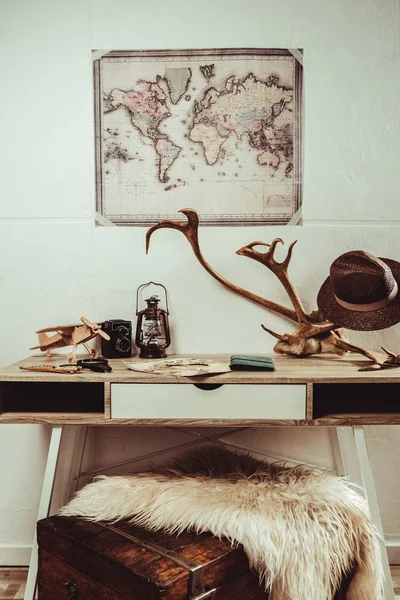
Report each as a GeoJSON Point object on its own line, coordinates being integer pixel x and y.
{"type": "Point", "coordinates": [318, 391]}
{"type": "Point", "coordinates": [325, 391]}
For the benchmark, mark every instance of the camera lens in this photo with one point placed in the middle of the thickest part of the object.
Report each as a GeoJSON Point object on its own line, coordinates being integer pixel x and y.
{"type": "Point", "coordinates": [123, 344]}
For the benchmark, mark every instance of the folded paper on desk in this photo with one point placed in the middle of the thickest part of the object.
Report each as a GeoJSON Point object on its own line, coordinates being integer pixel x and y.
{"type": "Point", "coordinates": [180, 367]}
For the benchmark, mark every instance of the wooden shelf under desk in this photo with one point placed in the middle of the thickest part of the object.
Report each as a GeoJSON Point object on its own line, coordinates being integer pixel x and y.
{"type": "Point", "coordinates": [51, 418]}
{"type": "Point", "coordinates": [334, 392]}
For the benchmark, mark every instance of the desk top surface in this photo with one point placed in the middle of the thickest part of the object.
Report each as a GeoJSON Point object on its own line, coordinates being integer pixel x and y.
{"type": "Point", "coordinates": [316, 369]}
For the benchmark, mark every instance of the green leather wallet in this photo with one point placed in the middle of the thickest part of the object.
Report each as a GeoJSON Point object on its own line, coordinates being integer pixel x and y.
{"type": "Point", "coordinates": [251, 363]}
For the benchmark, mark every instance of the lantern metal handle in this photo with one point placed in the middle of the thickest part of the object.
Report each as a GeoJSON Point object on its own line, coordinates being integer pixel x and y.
{"type": "Point", "coordinates": [146, 285]}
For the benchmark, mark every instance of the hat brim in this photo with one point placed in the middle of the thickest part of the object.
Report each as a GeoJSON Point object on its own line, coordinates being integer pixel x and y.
{"type": "Point", "coordinates": [360, 321]}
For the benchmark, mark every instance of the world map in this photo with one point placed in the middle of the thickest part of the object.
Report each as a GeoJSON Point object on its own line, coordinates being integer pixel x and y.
{"type": "Point", "coordinates": [220, 133]}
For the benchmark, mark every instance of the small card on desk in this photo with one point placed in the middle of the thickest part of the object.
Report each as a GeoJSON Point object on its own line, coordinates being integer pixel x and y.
{"type": "Point", "coordinates": [251, 363]}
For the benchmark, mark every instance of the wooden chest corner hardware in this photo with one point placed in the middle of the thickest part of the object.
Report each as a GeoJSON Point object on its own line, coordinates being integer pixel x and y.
{"type": "Point", "coordinates": [206, 595]}
{"type": "Point", "coordinates": [71, 590]}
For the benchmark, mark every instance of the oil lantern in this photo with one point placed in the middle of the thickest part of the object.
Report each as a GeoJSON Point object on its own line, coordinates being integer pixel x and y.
{"type": "Point", "coordinates": [152, 329]}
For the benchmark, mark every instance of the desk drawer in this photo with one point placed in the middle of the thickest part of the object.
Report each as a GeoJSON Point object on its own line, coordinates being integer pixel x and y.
{"type": "Point", "coordinates": [187, 401]}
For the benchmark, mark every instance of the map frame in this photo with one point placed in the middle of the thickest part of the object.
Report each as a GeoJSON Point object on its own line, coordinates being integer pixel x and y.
{"type": "Point", "coordinates": [222, 219]}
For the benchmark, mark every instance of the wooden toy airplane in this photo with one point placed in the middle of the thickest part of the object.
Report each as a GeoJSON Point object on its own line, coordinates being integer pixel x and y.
{"type": "Point", "coordinates": [70, 335]}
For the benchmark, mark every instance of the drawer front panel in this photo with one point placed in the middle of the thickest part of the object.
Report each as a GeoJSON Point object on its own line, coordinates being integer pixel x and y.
{"type": "Point", "coordinates": [53, 575]}
{"type": "Point", "coordinates": [186, 401]}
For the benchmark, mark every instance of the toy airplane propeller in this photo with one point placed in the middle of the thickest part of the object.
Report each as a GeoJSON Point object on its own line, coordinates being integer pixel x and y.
{"type": "Point", "coordinates": [70, 335]}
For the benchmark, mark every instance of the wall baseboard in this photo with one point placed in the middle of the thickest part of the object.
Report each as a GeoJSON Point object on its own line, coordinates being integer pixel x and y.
{"type": "Point", "coordinates": [15, 556]}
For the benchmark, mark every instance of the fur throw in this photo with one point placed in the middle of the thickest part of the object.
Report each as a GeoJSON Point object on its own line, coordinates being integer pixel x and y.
{"type": "Point", "coordinates": [302, 530]}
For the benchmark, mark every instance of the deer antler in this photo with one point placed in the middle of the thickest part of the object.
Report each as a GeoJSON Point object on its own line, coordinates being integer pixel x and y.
{"type": "Point", "coordinates": [379, 359]}
{"type": "Point", "coordinates": [280, 269]}
{"type": "Point", "coordinates": [314, 333]}
{"type": "Point", "coordinates": [190, 231]}
{"type": "Point", "coordinates": [307, 326]}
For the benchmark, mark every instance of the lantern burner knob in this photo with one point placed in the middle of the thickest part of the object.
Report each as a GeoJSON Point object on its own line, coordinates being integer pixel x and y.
{"type": "Point", "coordinates": [153, 301]}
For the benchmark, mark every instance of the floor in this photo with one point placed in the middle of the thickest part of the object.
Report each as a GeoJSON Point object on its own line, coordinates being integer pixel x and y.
{"type": "Point", "coordinates": [12, 583]}
{"type": "Point", "coordinates": [396, 580]}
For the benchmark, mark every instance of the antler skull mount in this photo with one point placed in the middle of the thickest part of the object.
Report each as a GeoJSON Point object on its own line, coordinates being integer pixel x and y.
{"type": "Point", "coordinates": [313, 334]}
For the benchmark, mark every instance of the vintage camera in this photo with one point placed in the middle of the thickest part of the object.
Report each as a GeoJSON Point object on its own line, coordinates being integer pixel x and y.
{"type": "Point", "coordinates": [120, 343]}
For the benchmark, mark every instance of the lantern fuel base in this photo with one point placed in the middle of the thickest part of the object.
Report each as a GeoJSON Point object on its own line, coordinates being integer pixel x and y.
{"type": "Point", "coordinates": [152, 330]}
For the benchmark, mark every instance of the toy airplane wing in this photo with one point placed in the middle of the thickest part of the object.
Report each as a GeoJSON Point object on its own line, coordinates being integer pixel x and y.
{"type": "Point", "coordinates": [55, 341]}
{"type": "Point", "coordinates": [60, 328]}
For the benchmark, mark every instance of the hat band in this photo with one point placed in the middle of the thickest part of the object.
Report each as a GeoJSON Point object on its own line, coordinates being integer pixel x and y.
{"type": "Point", "coordinates": [372, 305]}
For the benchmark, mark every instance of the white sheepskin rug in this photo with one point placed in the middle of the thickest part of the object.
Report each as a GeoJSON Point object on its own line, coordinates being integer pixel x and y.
{"type": "Point", "coordinates": [303, 531]}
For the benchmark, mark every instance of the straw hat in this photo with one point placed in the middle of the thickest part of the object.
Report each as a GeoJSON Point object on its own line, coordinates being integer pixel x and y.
{"type": "Point", "coordinates": [361, 292]}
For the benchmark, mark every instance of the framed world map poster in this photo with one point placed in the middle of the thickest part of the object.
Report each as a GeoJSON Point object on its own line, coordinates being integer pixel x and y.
{"type": "Point", "coordinates": [219, 131]}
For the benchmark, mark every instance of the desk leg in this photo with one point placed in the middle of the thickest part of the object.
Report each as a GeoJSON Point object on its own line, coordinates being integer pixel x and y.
{"type": "Point", "coordinates": [45, 499]}
{"type": "Point", "coordinates": [352, 461]}
{"type": "Point", "coordinates": [81, 438]}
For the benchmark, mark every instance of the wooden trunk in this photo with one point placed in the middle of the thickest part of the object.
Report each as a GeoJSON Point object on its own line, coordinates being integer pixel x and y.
{"type": "Point", "coordinates": [92, 561]}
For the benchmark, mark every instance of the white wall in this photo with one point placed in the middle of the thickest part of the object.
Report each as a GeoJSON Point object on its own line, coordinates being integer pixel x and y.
{"type": "Point", "coordinates": [55, 265]}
